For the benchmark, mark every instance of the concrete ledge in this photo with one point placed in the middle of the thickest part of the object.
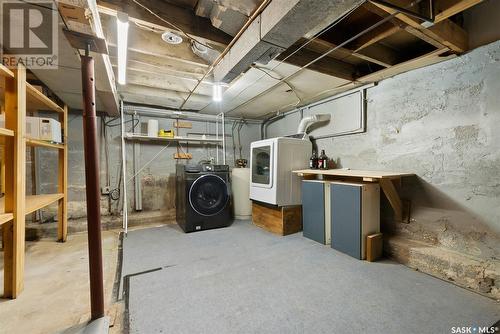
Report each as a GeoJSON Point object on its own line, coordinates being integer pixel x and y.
{"type": "Point", "coordinates": [479, 275]}
{"type": "Point", "coordinates": [35, 231]}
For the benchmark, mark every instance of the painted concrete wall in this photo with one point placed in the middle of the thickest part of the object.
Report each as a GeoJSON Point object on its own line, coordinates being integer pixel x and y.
{"type": "Point", "coordinates": [157, 179]}
{"type": "Point", "coordinates": [441, 123]}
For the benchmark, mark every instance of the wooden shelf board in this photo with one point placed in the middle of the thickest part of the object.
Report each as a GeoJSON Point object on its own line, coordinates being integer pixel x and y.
{"type": "Point", "coordinates": [141, 137]}
{"type": "Point", "coordinates": [38, 101]}
{"type": "Point", "coordinates": [6, 132]}
{"type": "Point", "coordinates": [5, 217]}
{"type": "Point", "coordinates": [5, 72]}
{"type": "Point", "coordinates": [353, 173]}
{"type": "Point", "coordinates": [34, 202]}
{"type": "Point", "coordinates": [42, 143]}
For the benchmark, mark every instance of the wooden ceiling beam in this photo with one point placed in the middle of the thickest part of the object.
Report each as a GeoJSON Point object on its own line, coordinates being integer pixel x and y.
{"type": "Point", "coordinates": [167, 69]}
{"type": "Point", "coordinates": [443, 34]}
{"type": "Point", "coordinates": [378, 54]}
{"type": "Point", "coordinates": [444, 9]}
{"type": "Point", "coordinates": [379, 33]}
{"type": "Point", "coordinates": [326, 65]}
{"type": "Point", "coordinates": [181, 17]}
{"type": "Point", "coordinates": [374, 53]}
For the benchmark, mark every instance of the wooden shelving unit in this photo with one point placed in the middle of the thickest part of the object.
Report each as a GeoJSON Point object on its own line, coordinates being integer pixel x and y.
{"type": "Point", "coordinates": [6, 132]}
{"type": "Point", "coordinates": [5, 217]}
{"type": "Point", "coordinates": [42, 143]}
{"type": "Point", "coordinates": [21, 97]}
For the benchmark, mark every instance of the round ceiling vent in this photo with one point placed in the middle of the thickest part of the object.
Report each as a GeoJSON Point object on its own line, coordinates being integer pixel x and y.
{"type": "Point", "coordinates": [171, 38]}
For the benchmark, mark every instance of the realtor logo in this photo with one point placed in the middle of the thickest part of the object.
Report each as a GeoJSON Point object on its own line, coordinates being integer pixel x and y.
{"type": "Point", "coordinates": [29, 33]}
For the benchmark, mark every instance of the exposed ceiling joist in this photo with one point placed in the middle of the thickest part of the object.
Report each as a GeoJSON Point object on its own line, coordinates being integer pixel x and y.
{"type": "Point", "coordinates": [181, 17]}
{"type": "Point", "coordinates": [447, 8]}
{"type": "Point", "coordinates": [278, 27]}
{"type": "Point", "coordinates": [146, 67]}
{"type": "Point", "coordinates": [378, 54]}
{"type": "Point", "coordinates": [375, 53]}
{"type": "Point", "coordinates": [161, 97]}
{"type": "Point", "coordinates": [385, 30]}
{"type": "Point", "coordinates": [162, 81]}
{"type": "Point", "coordinates": [148, 42]}
{"type": "Point", "coordinates": [445, 33]}
{"type": "Point", "coordinates": [325, 65]}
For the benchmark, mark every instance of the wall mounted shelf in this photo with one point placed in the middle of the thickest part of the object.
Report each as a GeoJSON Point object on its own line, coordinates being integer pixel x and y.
{"type": "Point", "coordinates": [143, 138]}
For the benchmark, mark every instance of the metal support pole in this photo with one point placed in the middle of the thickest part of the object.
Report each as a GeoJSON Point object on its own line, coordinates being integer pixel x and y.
{"type": "Point", "coordinates": [92, 184]}
{"type": "Point", "coordinates": [217, 137]}
{"type": "Point", "coordinates": [124, 171]}
{"type": "Point", "coordinates": [223, 139]}
{"type": "Point", "coordinates": [137, 179]}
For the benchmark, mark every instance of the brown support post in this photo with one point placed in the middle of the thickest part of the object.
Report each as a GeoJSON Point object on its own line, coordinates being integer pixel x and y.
{"type": "Point", "coordinates": [91, 151]}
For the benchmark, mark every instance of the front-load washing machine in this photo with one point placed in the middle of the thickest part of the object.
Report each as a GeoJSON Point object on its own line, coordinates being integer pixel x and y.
{"type": "Point", "coordinates": [203, 197]}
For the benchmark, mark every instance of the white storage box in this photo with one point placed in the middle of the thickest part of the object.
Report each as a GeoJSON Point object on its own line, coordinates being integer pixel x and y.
{"type": "Point", "coordinates": [32, 127]}
{"type": "Point", "coordinates": [50, 130]}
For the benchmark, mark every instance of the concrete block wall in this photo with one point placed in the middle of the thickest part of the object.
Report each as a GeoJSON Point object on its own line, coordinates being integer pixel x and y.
{"type": "Point", "coordinates": [157, 179]}
{"type": "Point", "coordinates": [441, 123]}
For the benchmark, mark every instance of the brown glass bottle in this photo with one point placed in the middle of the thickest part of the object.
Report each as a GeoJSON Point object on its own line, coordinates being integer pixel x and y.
{"type": "Point", "coordinates": [323, 160]}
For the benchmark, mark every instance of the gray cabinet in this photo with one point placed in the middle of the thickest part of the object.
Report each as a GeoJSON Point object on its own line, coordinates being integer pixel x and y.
{"type": "Point", "coordinates": [315, 210]}
{"type": "Point", "coordinates": [355, 214]}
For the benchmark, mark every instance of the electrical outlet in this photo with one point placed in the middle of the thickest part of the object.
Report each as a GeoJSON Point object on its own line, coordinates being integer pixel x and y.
{"type": "Point", "coordinates": [105, 190]}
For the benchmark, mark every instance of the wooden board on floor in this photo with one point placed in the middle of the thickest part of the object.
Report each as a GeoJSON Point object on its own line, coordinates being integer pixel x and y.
{"type": "Point", "coordinates": [279, 220]}
{"type": "Point", "coordinates": [374, 247]}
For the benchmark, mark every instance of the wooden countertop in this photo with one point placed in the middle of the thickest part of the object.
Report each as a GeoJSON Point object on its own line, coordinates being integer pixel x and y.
{"type": "Point", "coordinates": [352, 173]}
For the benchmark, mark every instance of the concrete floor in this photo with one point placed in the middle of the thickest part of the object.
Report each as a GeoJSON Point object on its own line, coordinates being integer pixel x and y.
{"type": "Point", "coordinates": [242, 279]}
{"type": "Point", "coordinates": [56, 292]}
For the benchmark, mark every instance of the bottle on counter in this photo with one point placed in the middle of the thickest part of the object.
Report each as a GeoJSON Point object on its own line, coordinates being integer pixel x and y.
{"type": "Point", "coordinates": [313, 161]}
{"type": "Point", "coordinates": [323, 160]}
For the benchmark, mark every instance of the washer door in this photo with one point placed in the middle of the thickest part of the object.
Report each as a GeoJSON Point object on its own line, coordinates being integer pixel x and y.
{"type": "Point", "coordinates": [208, 195]}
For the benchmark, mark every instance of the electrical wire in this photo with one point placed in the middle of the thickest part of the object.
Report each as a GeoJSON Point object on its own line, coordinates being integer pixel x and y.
{"type": "Point", "coordinates": [174, 26]}
{"type": "Point", "coordinates": [292, 88]}
{"type": "Point", "coordinates": [235, 124]}
{"type": "Point", "coordinates": [38, 5]}
{"type": "Point", "coordinates": [240, 147]}
{"type": "Point", "coordinates": [387, 18]}
{"type": "Point", "coordinates": [280, 62]}
{"type": "Point", "coordinates": [118, 124]}
{"type": "Point", "coordinates": [254, 15]}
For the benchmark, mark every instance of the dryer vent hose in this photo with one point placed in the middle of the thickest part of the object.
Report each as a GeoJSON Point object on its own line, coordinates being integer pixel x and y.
{"type": "Point", "coordinates": [306, 122]}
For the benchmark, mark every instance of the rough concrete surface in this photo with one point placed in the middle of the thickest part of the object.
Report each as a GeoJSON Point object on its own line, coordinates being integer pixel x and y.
{"type": "Point", "coordinates": [242, 279]}
{"type": "Point", "coordinates": [157, 178]}
{"type": "Point", "coordinates": [56, 286]}
{"type": "Point", "coordinates": [441, 123]}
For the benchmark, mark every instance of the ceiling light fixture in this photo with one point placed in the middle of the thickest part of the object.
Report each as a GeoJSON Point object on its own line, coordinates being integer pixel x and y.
{"type": "Point", "coordinates": [122, 30]}
{"type": "Point", "coordinates": [217, 92]}
{"type": "Point", "coordinates": [171, 38]}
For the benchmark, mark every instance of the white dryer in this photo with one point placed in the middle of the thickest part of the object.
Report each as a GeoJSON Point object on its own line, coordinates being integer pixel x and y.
{"type": "Point", "coordinates": [272, 162]}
